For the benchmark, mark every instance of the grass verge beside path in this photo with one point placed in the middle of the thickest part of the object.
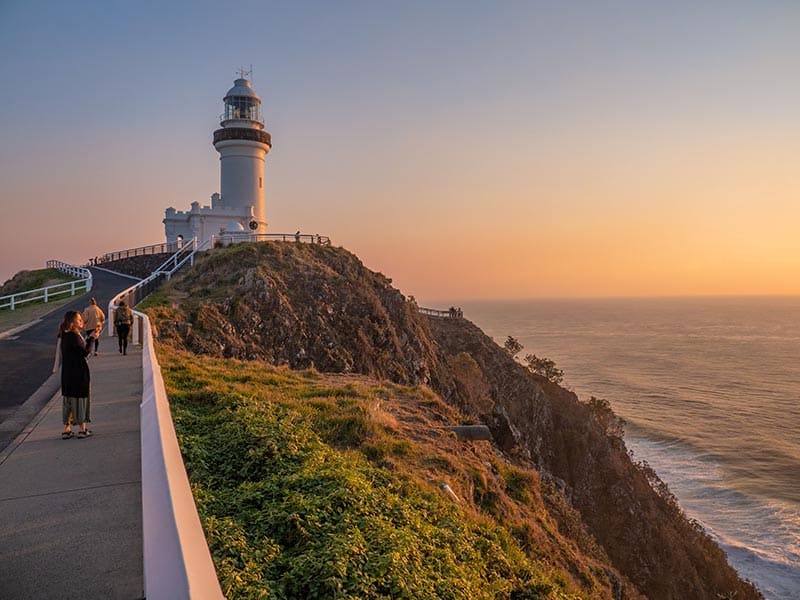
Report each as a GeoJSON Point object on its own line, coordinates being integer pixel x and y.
{"type": "Point", "coordinates": [9, 319]}
{"type": "Point", "coordinates": [307, 489]}
{"type": "Point", "coordinates": [30, 311]}
{"type": "Point", "coordinates": [32, 280]}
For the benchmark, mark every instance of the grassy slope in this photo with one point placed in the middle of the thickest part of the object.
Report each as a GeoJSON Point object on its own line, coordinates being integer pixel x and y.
{"type": "Point", "coordinates": [31, 280]}
{"type": "Point", "coordinates": [321, 486]}
{"type": "Point", "coordinates": [30, 311]}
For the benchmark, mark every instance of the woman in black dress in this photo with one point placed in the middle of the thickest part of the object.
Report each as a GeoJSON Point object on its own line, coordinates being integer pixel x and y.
{"type": "Point", "coordinates": [76, 407]}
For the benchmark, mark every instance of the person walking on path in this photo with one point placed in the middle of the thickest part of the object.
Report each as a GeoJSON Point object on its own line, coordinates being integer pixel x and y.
{"type": "Point", "coordinates": [122, 322]}
{"type": "Point", "coordinates": [93, 319]}
{"type": "Point", "coordinates": [75, 378]}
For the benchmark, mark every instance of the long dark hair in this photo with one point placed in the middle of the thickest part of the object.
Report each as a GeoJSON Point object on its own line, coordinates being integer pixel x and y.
{"type": "Point", "coordinates": [66, 324]}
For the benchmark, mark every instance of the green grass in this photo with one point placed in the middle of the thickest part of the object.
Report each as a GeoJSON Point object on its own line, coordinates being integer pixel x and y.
{"type": "Point", "coordinates": [289, 478]}
{"type": "Point", "coordinates": [30, 311]}
{"type": "Point", "coordinates": [31, 280]}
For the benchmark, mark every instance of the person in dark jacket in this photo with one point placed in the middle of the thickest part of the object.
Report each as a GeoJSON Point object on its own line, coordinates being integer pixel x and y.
{"type": "Point", "coordinates": [76, 406]}
{"type": "Point", "coordinates": [122, 322]}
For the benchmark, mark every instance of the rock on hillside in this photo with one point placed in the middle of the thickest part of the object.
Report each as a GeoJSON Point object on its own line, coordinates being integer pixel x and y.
{"type": "Point", "coordinates": [306, 305]}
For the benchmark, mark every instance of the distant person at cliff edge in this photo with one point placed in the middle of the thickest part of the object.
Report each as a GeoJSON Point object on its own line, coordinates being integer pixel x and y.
{"type": "Point", "coordinates": [93, 319]}
{"type": "Point", "coordinates": [76, 406]}
{"type": "Point", "coordinates": [297, 236]}
{"type": "Point", "coordinates": [122, 322]}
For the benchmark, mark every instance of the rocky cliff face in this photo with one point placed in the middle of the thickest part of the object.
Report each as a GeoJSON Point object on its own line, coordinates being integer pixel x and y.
{"type": "Point", "coordinates": [313, 306]}
{"type": "Point", "coordinates": [628, 510]}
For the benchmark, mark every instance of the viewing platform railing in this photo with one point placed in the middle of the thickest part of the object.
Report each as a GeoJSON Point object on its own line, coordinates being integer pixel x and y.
{"type": "Point", "coordinates": [235, 238]}
{"type": "Point", "coordinates": [452, 313]}
{"type": "Point", "coordinates": [82, 284]}
{"type": "Point", "coordinates": [140, 251]}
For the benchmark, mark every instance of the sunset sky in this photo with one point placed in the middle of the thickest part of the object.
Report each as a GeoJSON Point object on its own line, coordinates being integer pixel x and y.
{"type": "Point", "coordinates": [465, 149]}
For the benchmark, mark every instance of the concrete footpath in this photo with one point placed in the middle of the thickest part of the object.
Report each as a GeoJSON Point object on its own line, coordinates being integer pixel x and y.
{"type": "Point", "coordinates": [71, 510]}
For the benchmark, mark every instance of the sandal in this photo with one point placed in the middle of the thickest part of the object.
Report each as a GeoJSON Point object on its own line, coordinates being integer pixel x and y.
{"type": "Point", "coordinates": [65, 435]}
{"type": "Point", "coordinates": [84, 434]}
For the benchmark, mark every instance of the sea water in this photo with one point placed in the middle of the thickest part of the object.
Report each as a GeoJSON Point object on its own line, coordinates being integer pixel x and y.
{"type": "Point", "coordinates": [710, 391]}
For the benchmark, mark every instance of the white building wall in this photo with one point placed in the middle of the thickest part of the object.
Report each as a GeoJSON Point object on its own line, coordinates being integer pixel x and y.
{"type": "Point", "coordinates": [242, 177]}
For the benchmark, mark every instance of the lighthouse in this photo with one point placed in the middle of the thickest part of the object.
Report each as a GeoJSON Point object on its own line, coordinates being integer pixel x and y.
{"type": "Point", "coordinates": [243, 145]}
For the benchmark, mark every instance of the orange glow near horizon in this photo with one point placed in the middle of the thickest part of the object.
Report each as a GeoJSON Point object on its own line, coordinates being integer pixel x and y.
{"type": "Point", "coordinates": [484, 158]}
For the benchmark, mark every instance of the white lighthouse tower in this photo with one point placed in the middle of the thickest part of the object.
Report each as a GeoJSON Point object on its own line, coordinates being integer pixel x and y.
{"type": "Point", "coordinates": [243, 145]}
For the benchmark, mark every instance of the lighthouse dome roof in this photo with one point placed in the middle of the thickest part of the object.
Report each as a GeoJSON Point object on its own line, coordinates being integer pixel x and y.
{"type": "Point", "coordinates": [242, 87]}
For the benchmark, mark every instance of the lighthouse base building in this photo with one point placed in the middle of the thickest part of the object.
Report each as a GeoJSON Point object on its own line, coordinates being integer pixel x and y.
{"type": "Point", "coordinates": [243, 145]}
{"type": "Point", "coordinates": [202, 222]}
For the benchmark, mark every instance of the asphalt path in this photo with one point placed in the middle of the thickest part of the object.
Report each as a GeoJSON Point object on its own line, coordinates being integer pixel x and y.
{"type": "Point", "coordinates": [26, 358]}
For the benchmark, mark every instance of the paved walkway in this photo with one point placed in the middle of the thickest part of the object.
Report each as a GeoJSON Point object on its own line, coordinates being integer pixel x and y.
{"type": "Point", "coordinates": [27, 357]}
{"type": "Point", "coordinates": [71, 510]}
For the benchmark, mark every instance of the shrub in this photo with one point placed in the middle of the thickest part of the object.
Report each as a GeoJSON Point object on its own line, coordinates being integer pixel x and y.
{"type": "Point", "coordinates": [512, 346]}
{"type": "Point", "coordinates": [544, 367]}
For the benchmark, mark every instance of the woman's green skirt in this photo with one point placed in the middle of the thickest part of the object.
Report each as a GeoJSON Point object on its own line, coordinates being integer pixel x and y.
{"type": "Point", "coordinates": [75, 410]}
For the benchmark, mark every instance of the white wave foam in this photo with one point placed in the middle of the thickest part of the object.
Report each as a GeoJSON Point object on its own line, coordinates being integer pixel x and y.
{"type": "Point", "coordinates": [761, 538]}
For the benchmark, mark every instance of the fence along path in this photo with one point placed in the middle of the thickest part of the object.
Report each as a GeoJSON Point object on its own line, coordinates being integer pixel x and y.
{"type": "Point", "coordinates": [223, 238]}
{"type": "Point", "coordinates": [82, 283]}
{"type": "Point", "coordinates": [140, 251]}
{"type": "Point", "coordinates": [177, 561]}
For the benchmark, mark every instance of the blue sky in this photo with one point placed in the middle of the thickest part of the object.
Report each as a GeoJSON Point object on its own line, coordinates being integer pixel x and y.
{"type": "Point", "coordinates": [468, 149]}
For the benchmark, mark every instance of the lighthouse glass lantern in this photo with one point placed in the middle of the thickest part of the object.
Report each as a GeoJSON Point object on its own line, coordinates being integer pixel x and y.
{"type": "Point", "coordinates": [242, 103]}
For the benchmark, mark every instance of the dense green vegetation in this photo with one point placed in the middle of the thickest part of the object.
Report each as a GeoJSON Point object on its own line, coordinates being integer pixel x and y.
{"type": "Point", "coordinates": [299, 493]}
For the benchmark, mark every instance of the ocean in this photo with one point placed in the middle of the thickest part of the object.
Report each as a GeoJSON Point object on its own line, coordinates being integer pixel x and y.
{"type": "Point", "coordinates": [710, 391]}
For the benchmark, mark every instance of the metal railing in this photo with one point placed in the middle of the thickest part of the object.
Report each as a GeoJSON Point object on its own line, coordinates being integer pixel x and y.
{"type": "Point", "coordinates": [452, 313]}
{"type": "Point", "coordinates": [140, 251]}
{"type": "Point", "coordinates": [51, 292]}
{"type": "Point", "coordinates": [139, 291]}
{"type": "Point", "coordinates": [235, 238]}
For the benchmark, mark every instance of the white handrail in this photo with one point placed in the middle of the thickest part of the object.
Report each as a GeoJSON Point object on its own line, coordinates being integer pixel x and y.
{"type": "Point", "coordinates": [177, 561]}
{"type": "Point", "coordinates": [190, 257]}
{"type": "Point", "coordinates": [47, 293]}
{"type": "Point", "coordinates": [188, 246]}
{"type": "Point", "coordinates": [74, 270]}
{"type": "Point", "coordinates": [129, 294]}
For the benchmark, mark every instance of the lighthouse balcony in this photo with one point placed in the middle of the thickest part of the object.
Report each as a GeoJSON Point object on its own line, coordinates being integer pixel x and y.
{"type": "Point", "coordinates": [241, 133]}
